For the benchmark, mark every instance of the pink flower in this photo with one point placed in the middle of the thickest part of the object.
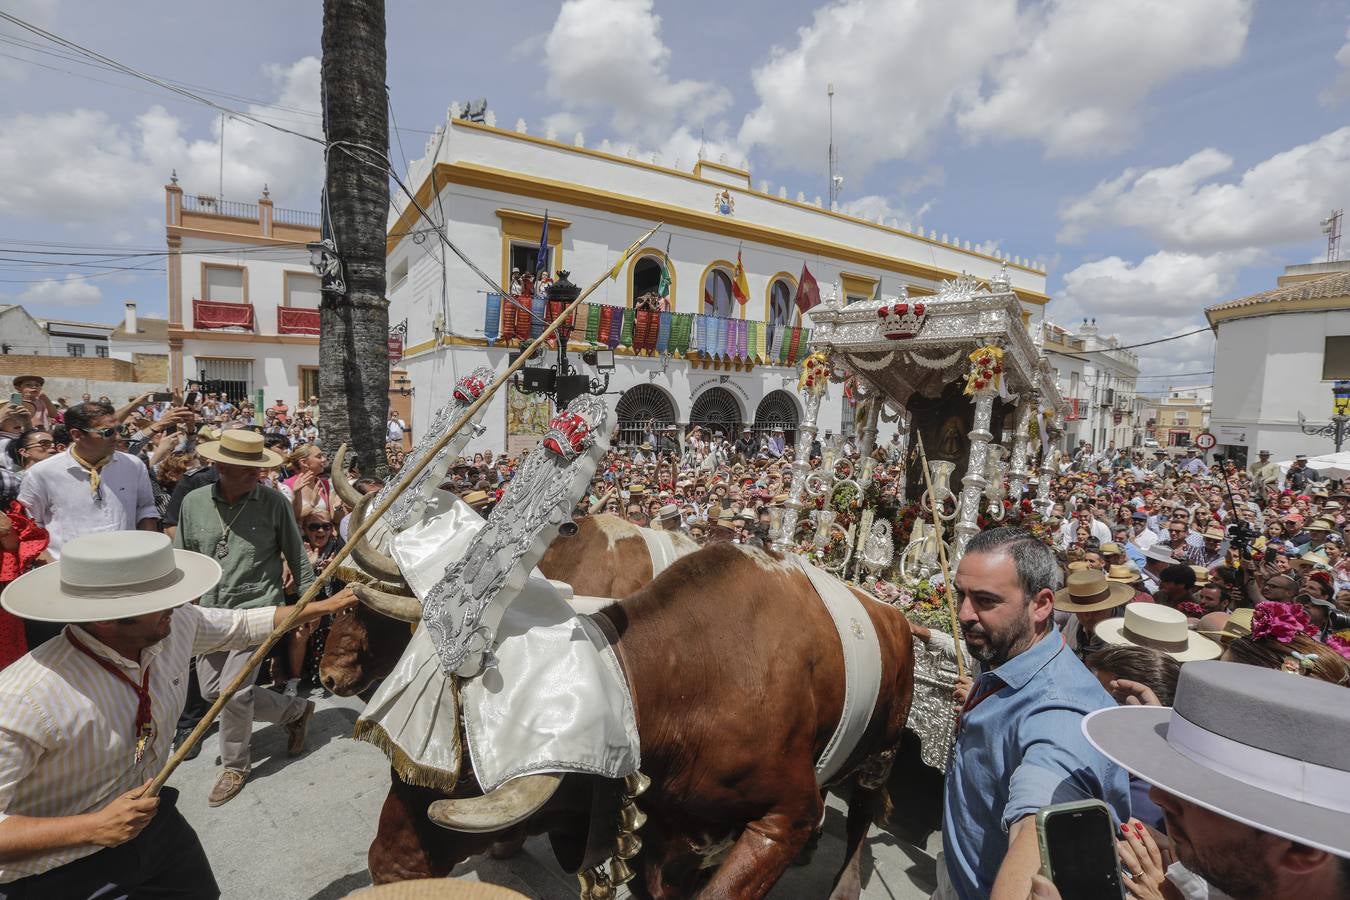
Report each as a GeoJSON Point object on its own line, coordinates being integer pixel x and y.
{"type": "Point", "coordinates": [1280, 621]}
{"type": "Point", "coordinates": [1339, 644]}
{"type": "Point", "coordinates": [1192, 609]}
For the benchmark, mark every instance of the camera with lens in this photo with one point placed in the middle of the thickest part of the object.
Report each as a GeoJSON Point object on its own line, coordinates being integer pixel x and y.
{"type": "Point", "coordinates": [1240, 537]}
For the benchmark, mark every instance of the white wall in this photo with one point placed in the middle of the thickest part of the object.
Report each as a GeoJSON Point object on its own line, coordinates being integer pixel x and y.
{"type": "Point", "coordinates": [24, 336]}
{"type": "Point", "coordinates": [276, 367]}
{"type": "Point", "coordinates": [1266, 371]}
{"type": "Point", "coordinates": [266, 275]}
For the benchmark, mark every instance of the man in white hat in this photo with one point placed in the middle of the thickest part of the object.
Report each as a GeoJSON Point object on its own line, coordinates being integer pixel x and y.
{"type": "Point", "coordinates": [86, 719]}
{"type": "Point", "coordinates": [1265, 476]}
{"type": "Point", "coordinates": [1250, 770]}
{"type": "Point", "coordinates": [249, 529]}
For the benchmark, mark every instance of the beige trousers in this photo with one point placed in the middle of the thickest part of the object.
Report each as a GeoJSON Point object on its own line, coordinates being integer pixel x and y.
{"type": "Point", "coordinates": [215, 671]}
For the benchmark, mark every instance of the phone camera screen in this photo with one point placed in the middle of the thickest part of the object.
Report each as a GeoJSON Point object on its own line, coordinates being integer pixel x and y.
{"type": "Point", "coordinates": [1083, 854]}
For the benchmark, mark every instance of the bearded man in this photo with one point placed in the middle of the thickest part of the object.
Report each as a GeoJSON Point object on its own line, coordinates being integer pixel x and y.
{"type": "Point", "coordinates": [1020, 744]}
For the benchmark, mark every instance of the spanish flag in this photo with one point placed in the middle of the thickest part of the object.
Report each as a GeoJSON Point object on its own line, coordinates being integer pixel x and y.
{"type": "Point", "coordinates": [740, 288]}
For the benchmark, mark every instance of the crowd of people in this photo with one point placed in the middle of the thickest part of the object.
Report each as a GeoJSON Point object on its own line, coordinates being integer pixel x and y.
{"type": "Point", "coordinates": [1131, 579]}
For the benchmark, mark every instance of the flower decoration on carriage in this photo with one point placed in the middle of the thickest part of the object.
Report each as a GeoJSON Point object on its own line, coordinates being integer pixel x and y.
{"type": "Point", "coordinates": [1340, 642]}
{"type": "Point", "coordinates": [815, 373]}
{"type": "Point", "coordinates": [471, 386]}
{"type": "Point", "coordinates": [570, 433]}
{"type": "Point", "coordinates": [901, 319]}
{"type": "Point", "coordinates": [986, 369]}
{"type": "Point", "coordinates": [1281, 621]}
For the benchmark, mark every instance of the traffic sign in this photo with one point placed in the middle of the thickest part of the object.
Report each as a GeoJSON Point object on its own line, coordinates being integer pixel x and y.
{"type": "Point", "coordinates": [1206, 441]}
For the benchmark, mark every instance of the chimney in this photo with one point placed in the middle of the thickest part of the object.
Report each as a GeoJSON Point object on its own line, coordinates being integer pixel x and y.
{"type": "Point", "coordinates": [130, 321]}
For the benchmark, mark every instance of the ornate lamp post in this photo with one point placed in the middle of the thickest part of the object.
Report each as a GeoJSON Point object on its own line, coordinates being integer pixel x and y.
{"type": "Point", "coordinates": [1335, 429]}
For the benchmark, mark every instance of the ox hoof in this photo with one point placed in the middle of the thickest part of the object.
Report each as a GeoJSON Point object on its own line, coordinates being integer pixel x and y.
{"type": "Point", "coordinates": [510, 804]}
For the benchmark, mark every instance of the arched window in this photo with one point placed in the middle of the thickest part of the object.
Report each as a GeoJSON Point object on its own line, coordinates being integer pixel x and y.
{"type": "Point", "coordinates": [646, 280]}
{"type": "Point", "coordinates": [716, 410]}
{"type": "Point", "coordinates": [777, 410]}
{"type": "Point", "coordinates": [643, 407]}
{"type": "Point", "coordinates": [781, 309]}
{"type": "Point", "coordinates": [717, 299]}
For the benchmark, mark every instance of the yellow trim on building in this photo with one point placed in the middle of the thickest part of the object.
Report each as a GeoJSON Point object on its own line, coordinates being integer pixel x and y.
{"type": "Point", "coordinates": [660, 255]}
{"type": "Point", "coordinates": [524, 227]}
{"type": "Point", "coordinates": [423, 193]}
{"type": "Point", "coordinates": [855, 285]}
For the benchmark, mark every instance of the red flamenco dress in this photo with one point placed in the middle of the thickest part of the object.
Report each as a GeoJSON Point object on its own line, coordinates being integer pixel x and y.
{"type": "Point", "coordinates": [14, 561]}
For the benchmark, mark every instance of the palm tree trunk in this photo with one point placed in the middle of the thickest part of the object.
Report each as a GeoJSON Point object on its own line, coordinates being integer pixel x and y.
{"type": "Point", "coordinates": [354, 327]}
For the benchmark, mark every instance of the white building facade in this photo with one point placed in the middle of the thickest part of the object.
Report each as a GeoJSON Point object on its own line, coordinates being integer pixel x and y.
{"type": "Point", "coordinates": [1099, 382]}
{"type": "Point", "coordinates": [1277, 355]}
{"type": "Point", "coordinates": [243, 299]}
{"type": "Point", "coordinates": [493, 187]}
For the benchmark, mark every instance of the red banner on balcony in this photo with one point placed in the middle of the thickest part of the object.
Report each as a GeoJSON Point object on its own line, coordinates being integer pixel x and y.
{"type": "Point", "coordinates": [213, 314]}
{"type": "Point", "coordinates": [297, 320]}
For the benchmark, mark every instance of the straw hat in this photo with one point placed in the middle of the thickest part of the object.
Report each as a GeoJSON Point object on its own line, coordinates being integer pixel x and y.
{"type": "Point", "coordinates": [1126, 574]}
{"type": "Point", "coordinates": [1158, 627]}
{"type": "Point", "coordinates": [645, 445]}
{"type": "Point", "coordinates": [1213, 533]}
{"type": "Point", "coordinates": [1321, 524]}
{"type": "Point", "coordinates": [1078, 565]}
{"type": "Point", "coordinates": [1201, 575]}
{"type": "Point", "coordinates": [240, 448]}
{"type": "Point", "coordinates": [1089, 591]}
{"type": "Point", "coordinates": [1309, 560]}
{"type": "Point", "coordinates": [111, 575]}
{"type": "Point", "coordinates": [1110, 548]}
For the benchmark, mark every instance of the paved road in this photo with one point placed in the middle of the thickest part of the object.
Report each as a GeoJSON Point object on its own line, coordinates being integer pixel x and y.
{"type": "Point", "coordinates": [300, 828]}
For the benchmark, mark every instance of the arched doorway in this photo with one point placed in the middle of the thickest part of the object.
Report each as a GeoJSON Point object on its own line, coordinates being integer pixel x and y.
{"type": "Point", "coordinates": [716, 409]}
{"type": "Point", "coordinates": [717, 298]}
{"type": "Point", "coordinates": [642, 407]}
{"type": "Point", "coordinates": [778, 409]}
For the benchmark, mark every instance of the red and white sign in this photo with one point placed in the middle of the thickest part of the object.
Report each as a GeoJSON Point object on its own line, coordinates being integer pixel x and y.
{"type": "Point", "coordinates": [1206, 441]}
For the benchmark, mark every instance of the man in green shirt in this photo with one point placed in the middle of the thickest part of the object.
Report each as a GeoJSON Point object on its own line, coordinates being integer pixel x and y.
{"type": "Point", "coordinates": [249, 529]}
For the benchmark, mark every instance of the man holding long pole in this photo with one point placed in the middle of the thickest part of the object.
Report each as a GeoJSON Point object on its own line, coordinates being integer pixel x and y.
{"type": "Point", "coordinates": [87, 718]}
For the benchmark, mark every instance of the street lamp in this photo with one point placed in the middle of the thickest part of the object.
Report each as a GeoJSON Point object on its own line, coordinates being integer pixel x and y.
{"type": "Point", "coordinates": [560, 381]}
{"type": "Point", "coordinates": [1335, 429]}
{"type": "Point", "coordinates": [324, 259]}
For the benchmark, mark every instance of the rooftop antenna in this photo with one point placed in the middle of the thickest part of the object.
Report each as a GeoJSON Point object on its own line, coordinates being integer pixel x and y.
{"type": "Point", "coordinates": [836, 180]}
{"type": "Point", "coordinates": [1331, 227]}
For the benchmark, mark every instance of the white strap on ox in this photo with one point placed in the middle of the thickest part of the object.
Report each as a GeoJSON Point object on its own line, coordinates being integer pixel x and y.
{"type": "Point", "coordinates": [862, 668]}
{"type": "Point", "coordinates": [661, 549]}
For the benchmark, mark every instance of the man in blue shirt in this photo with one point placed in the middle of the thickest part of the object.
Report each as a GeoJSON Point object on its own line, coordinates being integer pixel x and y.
{"type": "Point", "coordinates": [1020, 744]}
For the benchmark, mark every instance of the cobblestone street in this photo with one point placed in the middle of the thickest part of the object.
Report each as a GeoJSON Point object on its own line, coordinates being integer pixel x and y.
{"type": "Point", "coordinates": [300, 828]}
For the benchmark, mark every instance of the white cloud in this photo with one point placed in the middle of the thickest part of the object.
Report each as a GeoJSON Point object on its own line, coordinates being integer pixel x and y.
{"type": "Point", "coordinates": [1279, 200]}
{"type": "Point", "coordinates": [1077, 81]}
{"type": "Point", "coordinates": [898, 69]}
{"type": "Point", "coordinates": [607, 55]}
{"type": "Point", "coordinates": [79, 166]}
{"type": "Point", "coordinates": [68, 292]}
{"type": "Point", "coordinates": [1162, 294]}
{"type": "Point", "coordinates": [1340, 91]}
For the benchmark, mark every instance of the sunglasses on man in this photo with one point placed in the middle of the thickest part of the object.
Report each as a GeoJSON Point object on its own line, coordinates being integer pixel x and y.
{"type": "Point", "coordinates": [319, 526]}
{"type": "Point", "coordinates": [104, 433]}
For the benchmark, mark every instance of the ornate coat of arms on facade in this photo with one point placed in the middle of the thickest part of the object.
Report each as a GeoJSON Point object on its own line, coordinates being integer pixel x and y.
{"type": "Point", "coordinates": [724, 203]}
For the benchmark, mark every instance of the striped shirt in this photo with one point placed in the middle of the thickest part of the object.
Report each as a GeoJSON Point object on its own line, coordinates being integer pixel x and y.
{"type": "Point", "coordinates": [67, 742]}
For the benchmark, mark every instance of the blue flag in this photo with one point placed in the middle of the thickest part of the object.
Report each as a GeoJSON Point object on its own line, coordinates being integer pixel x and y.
{"type": "Point", "coordinates": [541, 259]}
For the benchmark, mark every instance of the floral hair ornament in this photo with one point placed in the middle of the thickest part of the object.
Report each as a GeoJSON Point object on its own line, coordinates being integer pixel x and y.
{"type": "Point", "coordinates": [1281, 621]}
{"type": "Point", "coordinates": [1191, 609]}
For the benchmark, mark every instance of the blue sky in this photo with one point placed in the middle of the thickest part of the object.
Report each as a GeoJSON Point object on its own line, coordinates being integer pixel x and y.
{"type": "Point", "coordinates": [1158, 155]}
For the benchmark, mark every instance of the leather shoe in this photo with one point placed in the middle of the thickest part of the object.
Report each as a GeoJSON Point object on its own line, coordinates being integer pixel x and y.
{"type": "Point", "coordinates": [230, 783]}
{"type": "Point", "coordinates": [298, 730]}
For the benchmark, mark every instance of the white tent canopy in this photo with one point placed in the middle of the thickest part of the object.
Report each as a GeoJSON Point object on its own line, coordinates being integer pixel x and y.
{"type": "Point", "coordinates": [1331, 465]}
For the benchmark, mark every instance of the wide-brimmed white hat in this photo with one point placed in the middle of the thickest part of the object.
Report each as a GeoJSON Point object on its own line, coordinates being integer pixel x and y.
{"type": "Point", "coordinates": [111, 575]}
{"type": "Point", "coordinates": [240, 448]}
{"type": "Point", "coordinates": [1257, 746]}
{"type": "Point", "coordinates": [1158, 627]}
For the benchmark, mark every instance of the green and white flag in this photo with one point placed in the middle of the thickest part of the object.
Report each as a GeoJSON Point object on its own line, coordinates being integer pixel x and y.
{"type": "Point", "coordinates": [663, 288]}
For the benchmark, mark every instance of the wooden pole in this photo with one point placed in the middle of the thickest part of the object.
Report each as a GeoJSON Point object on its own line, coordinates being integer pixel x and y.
{"type": "Point", "coordinates": [942, 560]}
{"type": "Point", "coordinates": [371, 518]}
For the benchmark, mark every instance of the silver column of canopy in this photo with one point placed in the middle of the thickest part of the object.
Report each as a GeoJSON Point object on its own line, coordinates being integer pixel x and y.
{"type": "Point", "coordinates": [801, 467]}
{"type": "Point", "coordinates": [1017, 469]}
{"type": "Point", "coordinates": [973, 484]}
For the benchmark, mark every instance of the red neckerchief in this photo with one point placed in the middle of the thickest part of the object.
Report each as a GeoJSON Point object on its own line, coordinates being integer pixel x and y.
{"type": "Point", "coordinates": [144, 721]}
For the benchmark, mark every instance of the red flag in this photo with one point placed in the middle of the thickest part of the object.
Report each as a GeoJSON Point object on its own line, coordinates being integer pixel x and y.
{"type": "Point", "coordinates": [808, 292]}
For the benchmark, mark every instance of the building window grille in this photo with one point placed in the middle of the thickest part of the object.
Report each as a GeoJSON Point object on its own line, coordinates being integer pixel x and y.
{"type": "Point", "coordinates": [75, 350]}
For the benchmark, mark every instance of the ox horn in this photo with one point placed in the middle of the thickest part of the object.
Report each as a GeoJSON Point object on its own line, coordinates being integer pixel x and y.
{"type": "Point", "coordinates": [510, 804]}
{"type": "Point", "coordinates": [338, 475]}
{"type": "Point", "coordinates": [395, 606]}
{"type": "Point", "coordinates": [367, 557]}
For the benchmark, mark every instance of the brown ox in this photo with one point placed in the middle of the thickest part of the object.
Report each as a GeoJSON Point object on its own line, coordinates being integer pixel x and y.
{"type": "Point", "coordinates": [605, 557]}
{"type": "Point", "coordinates": [737, 677]}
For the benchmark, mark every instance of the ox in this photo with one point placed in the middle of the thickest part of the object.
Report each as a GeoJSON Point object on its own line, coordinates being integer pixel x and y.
{"type": "Point", "coordinates": [737, 677]}
{"type": "Point", "coordinates": [605, 557]}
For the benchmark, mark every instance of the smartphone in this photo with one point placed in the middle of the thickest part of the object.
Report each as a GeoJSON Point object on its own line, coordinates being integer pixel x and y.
{"type": "Point", "coordinates": [161, 397]}
{"type": "Point", "coordinates": [1078, 850]}
{"type": "Point", "coordinates": [192, 398]}
{"type": "Point", "coordinates": [16, 399]}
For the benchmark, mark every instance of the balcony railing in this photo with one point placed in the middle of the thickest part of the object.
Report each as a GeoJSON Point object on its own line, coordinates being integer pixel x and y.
{"type": "Point", "coordinates": [202, 203]}
{"type": "Point", "coordinates": [297, 320]}
{"type": "Point", "coordinates": [302, 217]}
{"type": "Point", "coordinates": [215, 315]}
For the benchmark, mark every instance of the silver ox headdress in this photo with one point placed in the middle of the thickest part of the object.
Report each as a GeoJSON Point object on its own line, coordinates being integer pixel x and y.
{"type": "Point", "coordinates": [462, 611]}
